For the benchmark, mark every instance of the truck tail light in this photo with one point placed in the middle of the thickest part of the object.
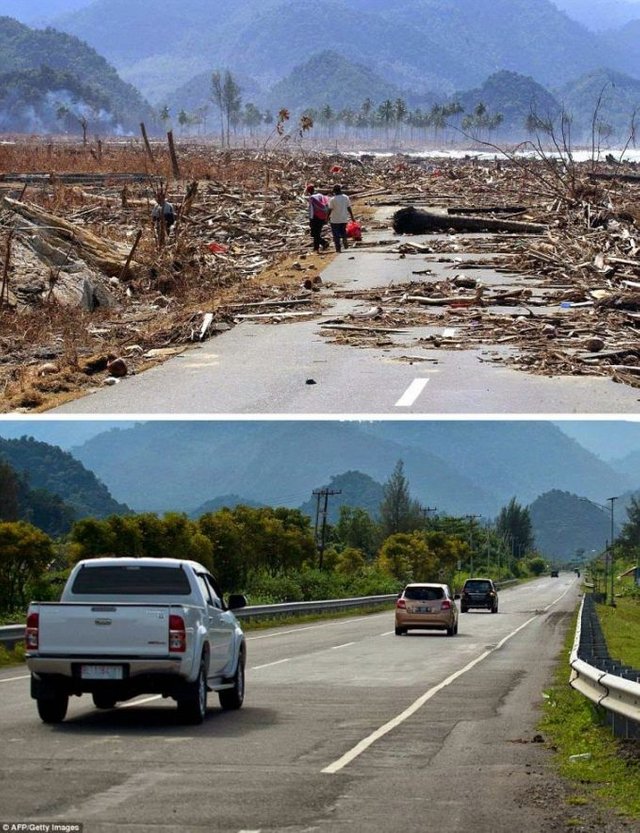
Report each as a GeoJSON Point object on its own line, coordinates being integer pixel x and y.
{"type": "Point", "coordinates": [446, 605]}
{"type": "Point", "coordinates": [31, 632]}
{"type": "Point", "coordinates": [177, 634]}
{"type": "Point", "coordinates": [401, 604]}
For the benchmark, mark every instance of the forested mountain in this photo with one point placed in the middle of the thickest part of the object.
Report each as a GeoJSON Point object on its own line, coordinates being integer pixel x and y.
{"type": "Point", "coordinates": [222, 502]}
{"type": "Point", "coordinates": [511, 458]}
{"type": "Point", "coordinates": [328, 78]}
{"type": "Point", "coordinates": [49, 468]}
{"type": "Point", "coordinates": [511, 96]}
{"type": "Point", "coordinates": [609, 97]}
{"type": "Point", "coordinates": [425, 47]}
{"type": "Point", "coordinates": [50, 81]}
{"type": "Point", "coordinates": [354, 489]}
{"type": "Point", "coordinates": [18, 502]}
{"type": "Point", "coordinates": [459, 466]}
{"type": "Point", "coordinates": [564, 523]}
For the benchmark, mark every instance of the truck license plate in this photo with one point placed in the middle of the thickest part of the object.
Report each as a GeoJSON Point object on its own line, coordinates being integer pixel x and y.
{"type": "Point", "coordinates": [101, 672]}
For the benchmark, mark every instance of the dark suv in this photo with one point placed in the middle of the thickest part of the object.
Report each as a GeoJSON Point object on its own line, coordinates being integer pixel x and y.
{"type": "Point", "coordinates": [479, 592]}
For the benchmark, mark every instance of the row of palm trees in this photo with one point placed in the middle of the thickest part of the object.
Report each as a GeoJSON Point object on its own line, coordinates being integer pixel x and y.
{"type": "Point", "coordinates": [393, 119]}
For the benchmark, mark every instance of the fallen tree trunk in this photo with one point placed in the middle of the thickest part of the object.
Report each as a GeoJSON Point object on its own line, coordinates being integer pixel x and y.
{"type": "Point", "coordinates": [413, 220]}
{"type": "Point", "coordinates": [107, 256]}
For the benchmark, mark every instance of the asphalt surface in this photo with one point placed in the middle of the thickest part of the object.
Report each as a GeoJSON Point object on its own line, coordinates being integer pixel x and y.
{"type": "Point", "coordinates": [294, 368]}
{"type": "Point", "coordinates": [345, 727]}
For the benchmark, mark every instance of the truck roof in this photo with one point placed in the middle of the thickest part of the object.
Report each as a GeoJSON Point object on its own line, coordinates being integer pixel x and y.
{"type": "Point", "coordinates": [129, 561]}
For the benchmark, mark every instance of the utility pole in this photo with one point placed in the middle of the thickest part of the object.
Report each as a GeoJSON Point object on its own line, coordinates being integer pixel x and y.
{"type": "Point", "coordinates": [471, 519]}
{"type": "Point", "coordinates": [321, 519]}
{"type": "Point", "coordinates": [612, 601]}
{"type": "Point", "coordinates": [426, 510]}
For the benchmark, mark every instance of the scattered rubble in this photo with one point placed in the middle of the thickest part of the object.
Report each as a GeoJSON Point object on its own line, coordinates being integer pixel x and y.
{"type": "Point", "coordinates": [89, 292]}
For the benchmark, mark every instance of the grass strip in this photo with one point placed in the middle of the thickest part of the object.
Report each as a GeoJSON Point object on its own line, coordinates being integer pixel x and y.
{"type": "Point", "coordinates": [609, 772]}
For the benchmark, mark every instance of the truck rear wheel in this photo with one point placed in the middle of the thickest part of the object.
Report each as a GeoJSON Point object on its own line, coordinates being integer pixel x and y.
{"type": "Point", "coordinates": [233, 698]}
{"type": "Point", "coordinates": [53, 709]}
{"type": "Point", "coordinates": [193, 708]}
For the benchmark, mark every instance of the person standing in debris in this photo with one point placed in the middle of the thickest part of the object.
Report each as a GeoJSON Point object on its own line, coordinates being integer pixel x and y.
{"type": "Point", "coordinates": [318, 215]}
{"type": "Point", "coordinates": [163, 208]}
{"type": "Point", "coordinates": [339, 213]}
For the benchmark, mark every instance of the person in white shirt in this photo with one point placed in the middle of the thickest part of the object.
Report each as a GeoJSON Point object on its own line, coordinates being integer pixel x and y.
{"type": "Point", "coordinates": [339, 213]}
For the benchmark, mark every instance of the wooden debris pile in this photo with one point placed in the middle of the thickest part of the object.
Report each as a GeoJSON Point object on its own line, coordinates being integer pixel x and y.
{"type": "Point", "coordinates": [87, 274]}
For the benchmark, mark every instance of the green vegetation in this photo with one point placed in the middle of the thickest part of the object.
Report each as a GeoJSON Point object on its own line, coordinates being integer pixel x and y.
{"type": "Point", "coordinates": [621, 626]}
{"type": "Point", "coordinates": [272, 554]}
{"type": "Point", "coordinates": [571, 726]}
{"type": "Point", "coordinates": [14, 657]}
{"type": "Point", "coordinates": [47, 467]}
{"type": "Point", "coordinates": [46, 75]}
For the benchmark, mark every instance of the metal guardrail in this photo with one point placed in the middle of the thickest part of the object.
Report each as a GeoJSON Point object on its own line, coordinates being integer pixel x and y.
{"type": "Point", "coordinates": [604, 681]}
{"type": "Point", "coordinates": [325, 605]}
{"type": "Point", "coordinates": [12, 635]}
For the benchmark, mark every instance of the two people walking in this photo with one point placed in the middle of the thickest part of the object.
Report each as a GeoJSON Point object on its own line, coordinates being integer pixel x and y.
{"type": "Point", "coordinates": [336, 211]}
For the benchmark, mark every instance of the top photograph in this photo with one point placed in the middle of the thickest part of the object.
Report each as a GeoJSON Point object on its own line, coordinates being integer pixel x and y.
{"type": "Point", "coordinates": [430, 209]}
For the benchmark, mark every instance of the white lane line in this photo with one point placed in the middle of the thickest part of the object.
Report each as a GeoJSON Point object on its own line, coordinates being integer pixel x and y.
{"type": "Point", "coordinates": [448, 332]}
{"type": "Point", "coordinates": [364, 744]}
{"type": "Point", "coordinates": [269, 664]}
{"type": "Point", "coordinates": [387, 633]}
{"type": "Point", "coordinates": [139, 702]}
{"type": "Point", "coordinates": [250, 831]}
{"type": "Point", "coordinates": [12, 679]}
{"type": "Point", "coordinates": [412, 393]}
{"type": "Point", "coordinates": [344, 645]}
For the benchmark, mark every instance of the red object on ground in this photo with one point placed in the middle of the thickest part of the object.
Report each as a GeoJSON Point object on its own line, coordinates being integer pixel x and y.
{"type": "Point", "coordinates": [354, 230]}
{"type": "Point", "coordinates": [217, 248]}
{"type": "Point", "coordinates": [336, 169]}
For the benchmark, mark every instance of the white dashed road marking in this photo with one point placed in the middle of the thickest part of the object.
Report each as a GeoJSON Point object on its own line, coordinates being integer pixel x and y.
{"type": "Point", "coordinates": [412, 393]}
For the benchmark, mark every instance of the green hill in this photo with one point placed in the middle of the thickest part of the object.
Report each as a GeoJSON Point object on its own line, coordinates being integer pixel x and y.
{"type": "Point", "coordinates": [48, 468]}
{"type": "Point", "coordinates": [514, 97]}
{"type": "Point", "coordinates": [610, 96]}
{"type": "Point", "coordinates": [357, 490]}
{"type": "Point", "coordinates": [43, 70]}
{"type": "Point", "coordinates": [564, 523]}
{"type": "Point", "coordinates": [344, 84]}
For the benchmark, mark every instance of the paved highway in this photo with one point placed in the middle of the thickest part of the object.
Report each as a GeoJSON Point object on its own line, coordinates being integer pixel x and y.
{"type": "Point", "coordinates": [346, 727]}
{"type": "Point", "coordinates": [265, 369]}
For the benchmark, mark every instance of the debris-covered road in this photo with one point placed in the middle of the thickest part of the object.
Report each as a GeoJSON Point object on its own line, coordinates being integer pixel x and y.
{"type": "Point", "coordinates": [90, 296]}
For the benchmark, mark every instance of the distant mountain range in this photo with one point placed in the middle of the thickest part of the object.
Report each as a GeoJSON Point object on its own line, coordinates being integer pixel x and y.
{"type": "Point", "coordinates": [513, 56]}
{"type": "Point", "coordinates": [461, 467]}
{"type": "Point", "coordinates": [453, 467]}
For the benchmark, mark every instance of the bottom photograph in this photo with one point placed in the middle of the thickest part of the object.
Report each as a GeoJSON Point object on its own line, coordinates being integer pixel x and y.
{"type": "Point", "coordinates": [319, 625]}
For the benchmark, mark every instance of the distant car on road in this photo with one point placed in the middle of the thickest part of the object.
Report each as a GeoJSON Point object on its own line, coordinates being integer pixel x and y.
{"type": "Point", "coordinates": [479, 593]}
{"type": "Point", "coordinates": [554, 573]}
{"type": "Point", "coordinates": [428, 606]}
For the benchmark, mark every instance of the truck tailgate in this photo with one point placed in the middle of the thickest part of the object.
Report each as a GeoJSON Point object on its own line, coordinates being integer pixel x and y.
{"type": "Point", "coordinates": [104, 629]}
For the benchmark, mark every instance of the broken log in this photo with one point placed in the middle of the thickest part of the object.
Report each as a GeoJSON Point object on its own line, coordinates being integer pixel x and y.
{"type": "Point", "coordinates": [107, 256]}
{"type": "Point", "coordinates": [413, 220]}
{"type": "Point", "coordinates": [492, 209]}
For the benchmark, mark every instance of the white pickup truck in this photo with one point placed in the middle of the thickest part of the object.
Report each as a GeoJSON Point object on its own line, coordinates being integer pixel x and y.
{"type": "Point", "coordinates": [130, 626]}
